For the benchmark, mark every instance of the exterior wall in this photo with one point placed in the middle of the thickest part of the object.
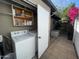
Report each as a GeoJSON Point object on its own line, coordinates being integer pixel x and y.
{"type": "Point", "coordinates": [6, 24]}
{"type": "Point", "coordinates": [40, 2]}
{"type": "Point", "coordinates": [52, 24]}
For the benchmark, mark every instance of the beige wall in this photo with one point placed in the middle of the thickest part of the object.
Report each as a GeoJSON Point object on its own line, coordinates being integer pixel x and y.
{"type": "Point", "coordinates": [6, 24]}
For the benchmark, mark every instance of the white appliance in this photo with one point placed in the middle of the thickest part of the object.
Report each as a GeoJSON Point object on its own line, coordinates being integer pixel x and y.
{"type": "Point", "coordinates": [24, 44]}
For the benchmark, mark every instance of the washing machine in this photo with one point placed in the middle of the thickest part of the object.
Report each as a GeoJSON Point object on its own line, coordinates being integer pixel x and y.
{"type": "Point", "coordinates": [23, 44]}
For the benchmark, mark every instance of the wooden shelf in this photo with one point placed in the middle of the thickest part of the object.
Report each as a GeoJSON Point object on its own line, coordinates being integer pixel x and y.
{"type": "Point", "coordinates": [20, 17]}
{"type": "Point", "coordinates": [23, 17]}
{"type": "Point", "coordinates": [28, 16]}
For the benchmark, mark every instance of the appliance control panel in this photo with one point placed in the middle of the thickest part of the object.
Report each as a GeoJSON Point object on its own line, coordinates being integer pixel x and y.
{"type": "Point", "coordinates": [18, 33]}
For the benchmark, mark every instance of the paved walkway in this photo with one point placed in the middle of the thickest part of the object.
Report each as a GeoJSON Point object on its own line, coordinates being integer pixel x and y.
{"type": "Point", "coordinates": [60, 48]}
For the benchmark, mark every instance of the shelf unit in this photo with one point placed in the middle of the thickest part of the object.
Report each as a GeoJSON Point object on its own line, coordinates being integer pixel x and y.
{"type": "Point", "coordinates": [22, 16]}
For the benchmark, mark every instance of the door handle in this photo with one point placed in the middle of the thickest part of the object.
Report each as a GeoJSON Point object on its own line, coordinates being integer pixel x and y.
{"type": "Point", "coordinates": [39, 37]}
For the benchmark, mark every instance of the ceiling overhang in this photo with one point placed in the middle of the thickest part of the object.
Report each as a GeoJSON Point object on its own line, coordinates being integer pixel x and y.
{"type": "Point", "coordinates": [50, 4]}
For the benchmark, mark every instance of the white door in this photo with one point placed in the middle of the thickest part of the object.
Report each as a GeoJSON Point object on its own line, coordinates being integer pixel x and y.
{"type": "Point", "coordinates": [43, 30]}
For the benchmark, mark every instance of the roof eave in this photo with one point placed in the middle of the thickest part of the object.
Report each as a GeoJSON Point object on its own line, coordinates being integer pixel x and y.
{"type": "Point", "coordinates": [50, 4]}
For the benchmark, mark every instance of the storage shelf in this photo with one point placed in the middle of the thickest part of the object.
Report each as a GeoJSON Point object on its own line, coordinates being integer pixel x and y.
{"type": "Point", "coordinates": [23, 25]}
{"type": "Point", "coordinates": [28, 16]}
{"type": "Point", "coordinates": [23, 17]}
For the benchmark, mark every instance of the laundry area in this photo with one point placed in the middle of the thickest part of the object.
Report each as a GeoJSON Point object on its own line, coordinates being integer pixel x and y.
{"type": "Point", "coordinates": [33, 29]}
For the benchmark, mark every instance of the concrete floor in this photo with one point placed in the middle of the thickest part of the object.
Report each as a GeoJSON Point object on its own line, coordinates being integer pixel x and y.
{"type": "Point", "coordinates": [60, 48]}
